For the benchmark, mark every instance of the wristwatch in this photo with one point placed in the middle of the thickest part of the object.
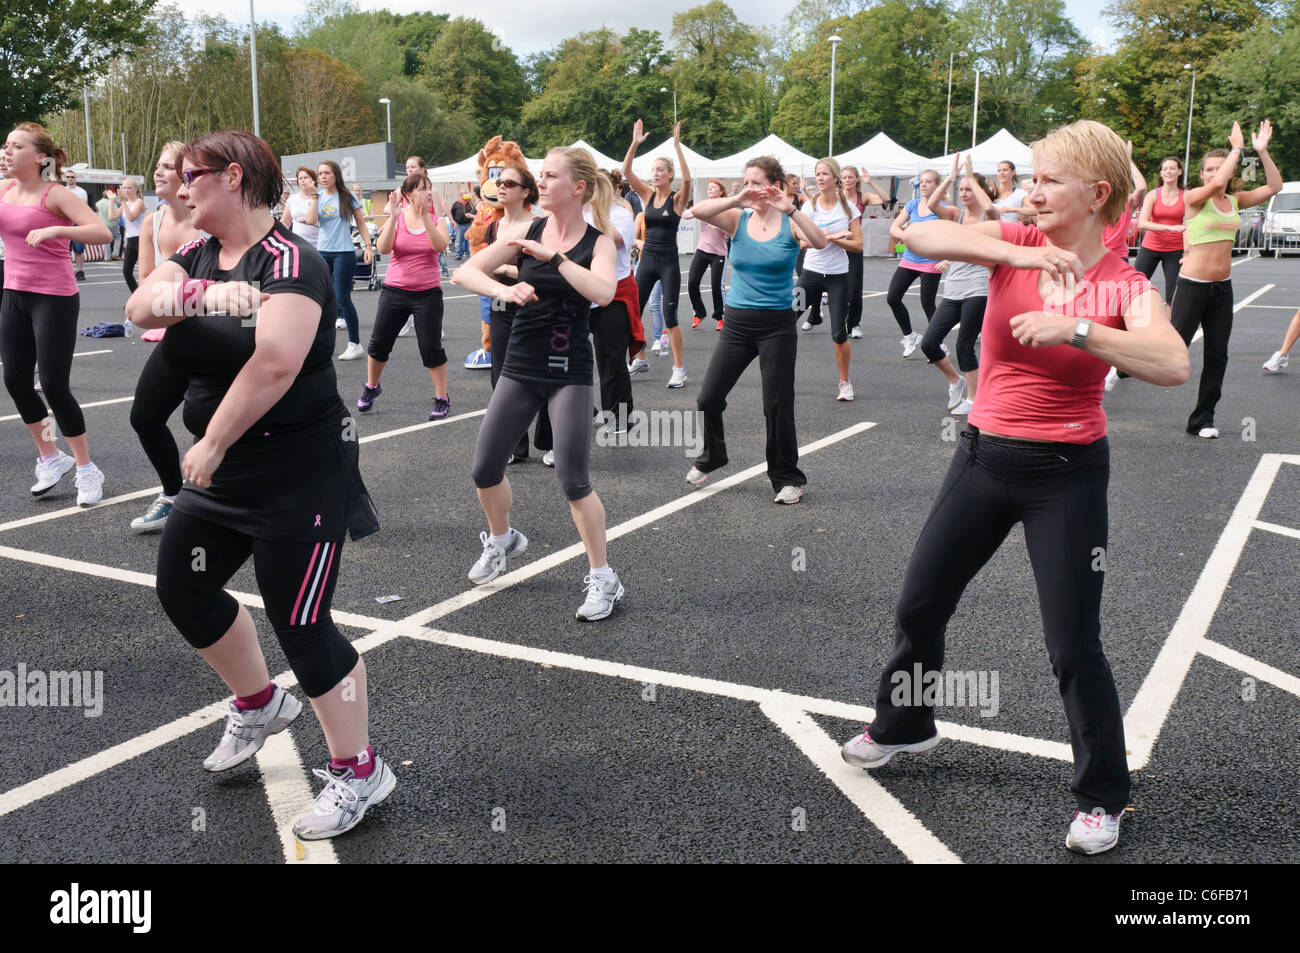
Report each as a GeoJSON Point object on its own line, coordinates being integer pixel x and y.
{"type": "Point", "coordinates": [1080, 337]}
{"type": "Point", "coordinates": [558, 259]}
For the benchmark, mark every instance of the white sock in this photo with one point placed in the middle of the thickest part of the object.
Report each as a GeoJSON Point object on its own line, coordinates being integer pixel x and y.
{"type": "Point", "coordinates": [86, 469]}
{"type": "Point", "coordinates": [604, 572]}
{"type": "Point", "coordinates": [501, 542]}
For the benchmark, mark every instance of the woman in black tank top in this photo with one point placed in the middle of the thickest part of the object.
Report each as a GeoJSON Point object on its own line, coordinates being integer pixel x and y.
{"type": "Point", "coordinates": [659, 261]}
{"type": "Point", "coordinates": [565, 265]}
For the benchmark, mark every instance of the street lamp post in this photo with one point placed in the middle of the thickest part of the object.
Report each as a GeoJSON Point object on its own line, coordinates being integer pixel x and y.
{"type": "Point", "coordinates": [1191, 102]}
{"type": "Point", "coordinates": [975, 114]}
{"type": "Point", "coordinates": [947, 122]}
{"type": "Point", "coordinates": [252, 47]}
{"type": "Point", "coordinates": [90, 155]}
{"type": "Point", "coordinates": [830, 137]}
{"type": "Point", "coordinates": [388, 109]}
{"type": "Point", "coordinates": [664, 89]}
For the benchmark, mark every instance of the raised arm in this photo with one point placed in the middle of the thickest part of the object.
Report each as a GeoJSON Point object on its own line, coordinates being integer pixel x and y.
{"type": "Point", "coordinates": [639, 187]}
{"type": "Point", "coordinates": [1272, 177]}
{"type": "Point", "coordinates": [1139, 193]}
{"type": "Point", "coordinates": [683, 197]}
{"type": "Point", "coordinates": [864, 182]}
{"type": "Point", "coordinates": [723, 213]}
{"type": "Point", "coordinates": [1222, 178]}
{"type": "Point", "coordinates": [934, 204]}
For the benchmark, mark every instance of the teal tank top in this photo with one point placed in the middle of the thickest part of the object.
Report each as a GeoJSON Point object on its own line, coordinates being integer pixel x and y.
{"type": "Point", "coordinates": [762, 273]}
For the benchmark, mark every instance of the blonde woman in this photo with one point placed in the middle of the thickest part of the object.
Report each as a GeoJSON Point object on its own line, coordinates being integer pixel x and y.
{"type": "Point", "coordinates": [130, 205]}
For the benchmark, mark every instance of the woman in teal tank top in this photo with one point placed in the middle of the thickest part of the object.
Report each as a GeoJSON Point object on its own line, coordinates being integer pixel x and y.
{"type": "Point", "coordinates": [1204, 293]}
{"type": "Point", "coordinates": [759, 320]}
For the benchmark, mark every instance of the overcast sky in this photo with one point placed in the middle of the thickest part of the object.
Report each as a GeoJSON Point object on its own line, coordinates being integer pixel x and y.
{"type": "Point", "coordinates": [528, 27]}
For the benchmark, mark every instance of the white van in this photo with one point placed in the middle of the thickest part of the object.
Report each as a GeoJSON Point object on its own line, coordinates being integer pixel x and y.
{"type": "Point", "coordinates": [1281, 225]}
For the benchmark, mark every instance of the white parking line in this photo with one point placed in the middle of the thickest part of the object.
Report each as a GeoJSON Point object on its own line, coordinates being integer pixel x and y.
{"type": "Point", "coordinates": [288, 792]}
{"type": "Point", "coordinates": [107, 350]}
{"type": "Point", "coordinates": [97, 403]}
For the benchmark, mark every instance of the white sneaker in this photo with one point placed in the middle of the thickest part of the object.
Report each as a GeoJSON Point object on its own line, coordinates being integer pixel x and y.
{"type": "Point", "coordinates": [601, 596]}
{"type": "Point", "coordinates": [1209, 433]}
{"type": "Point", "coordinates": [962, 409]}
{"type": "Point", "coordinates": [340, 323]}
{"type": "Point", "coordinates": [910, 343]}
{"type": "Point", "coordinates": [352, 352]}
{"type": "Point", "coordinates": [678, 378]}
{"type": "Point", "coordinates": [493, 561]}
{"type": "Point", "coordinates": [344, 800]}
{"type": "Point", "coordinates": [247, 730]}
{"type": "Point", "coordinates": [408, 328]}
{"type": "Point", "coordinates": [789, 494]}
{"type": "Point", "coordinates": [1112, 378]}
{"type": "Point", "coordinates": [548, 459]}
{"type": "Point", "coordinates": [846, 391]}
{"type": "Point", "coordinates": [696, 477]}
{"type": "Point", "coordinates": [956, 392]}
{"type": "Point", "coordinates": [861, 752]}
{"type": "Point", "coordinates": [639, 365]}
{"type": "Point", "coordinates": [806, 326]}
{"type": "Point", "coordinates": [48, 474]}
{"type": "Point", "coordinates": [1276, 362]}
{"type": "Point", "coordinates": [655, 348]}
{"type": "Point", "coordinates": [855, 333]}
{"type": "Point", "coordinates": [1093, 833]}
{"type": "Point", "coordinates": [90, 486]}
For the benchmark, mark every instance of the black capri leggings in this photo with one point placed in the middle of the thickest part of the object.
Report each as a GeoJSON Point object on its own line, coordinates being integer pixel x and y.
{"type": "Point", "coordinates": [512, 408]}
{"type": "Point", "coordinates": [196, 559]}
{"type": "Point", "coordinates": [1058, 491]}
{"type": "Point", "coordinates": [715, 265]}
{"type": "Point", "coordinates": [970, 313]}
{"type": "Point", "coordinates": [1172, 261]}
{"type": "Point", "coordinates": [856, 259]}
{"type": "Point", "coordinates": [499, 326]}
{"type": "Point", "coordinates": [395, 305]}
{"type": "Point", "coordinates": [662, 266]}
{"type": "Point", "coordinates": [130, 255]}
{"type": "Point", "coordinates": [39, 331]}
{"type": "Point", "coordinates": [1207, 305]}
{"type": "Point", "coordinates": [898, 285]}
{"type": "Point", "coordinates": [811, 285]}
{"type": "Point", "coordinates": [158, 392]}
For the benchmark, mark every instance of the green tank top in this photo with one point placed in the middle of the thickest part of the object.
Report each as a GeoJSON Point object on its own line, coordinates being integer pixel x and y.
{"type": "Point", "coordinates": [1211, 225]}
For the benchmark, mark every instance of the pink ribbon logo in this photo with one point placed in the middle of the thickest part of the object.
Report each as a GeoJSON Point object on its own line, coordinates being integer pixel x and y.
{"type": "Point", "coordinates": [317, 519]}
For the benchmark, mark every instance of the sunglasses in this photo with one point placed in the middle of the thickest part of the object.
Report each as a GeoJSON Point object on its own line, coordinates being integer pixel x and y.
{"type": "Point", "coordinates": [189, 175]}
{"type": "Point", "coordinates": [508, 184]}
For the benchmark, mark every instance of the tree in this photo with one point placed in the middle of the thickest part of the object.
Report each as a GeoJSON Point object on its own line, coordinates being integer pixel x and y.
{"type": "Point", "coordinates": [328, 107]}
{"type": "Point", "coordinates": [474, 74]}
{"type": "Point", "coordinates": [48, 52]}
{"type": "Point", "coordinates": [716, 74]}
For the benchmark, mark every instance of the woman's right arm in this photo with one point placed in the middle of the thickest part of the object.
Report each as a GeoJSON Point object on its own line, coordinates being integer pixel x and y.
{"type": "Point", "coordinates": [146, 258]}
{"type": "Point", "coordinates": [639, 187]}
{"type": "Point", "coordinates": [475, 275]}
{"type": "Point", "coordinates": [1145, 221]}
{"type": "Point", "coordinates": [388, 234]}
{"type": "Point", "coordinates": [1222, 178]}
{"type": "Point", "coordinates": [721, 213]}
{"type": "Point", "coordinates": [899, 224]}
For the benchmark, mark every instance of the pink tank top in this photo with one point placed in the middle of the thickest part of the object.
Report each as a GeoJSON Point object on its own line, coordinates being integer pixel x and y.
{"type": "Point", "coordinates": [414, 266]}
{"type": "Point", "coordinates": [45, 270]}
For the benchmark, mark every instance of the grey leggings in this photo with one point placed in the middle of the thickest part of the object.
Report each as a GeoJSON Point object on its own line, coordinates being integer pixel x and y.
{"type": "Point", "coordinates": [512, 408]}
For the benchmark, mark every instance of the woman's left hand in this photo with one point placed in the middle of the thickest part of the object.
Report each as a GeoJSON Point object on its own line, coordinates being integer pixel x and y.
{"type": "Point", "coordinates": [368, 255]}
{"type": "Point", "coordinates": [1040, 329]}
{"type": "Point", "coordinates": [38, 235]}
{"type": "Point", "coordinates": [530, 247]}
{"type": "Point", "coordinates": [201, 461]}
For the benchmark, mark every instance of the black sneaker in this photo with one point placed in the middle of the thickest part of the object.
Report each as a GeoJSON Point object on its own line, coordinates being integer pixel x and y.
{"type": "Point", "coordinates": [81, 275]}
{"type": "Point", "coordinates": [441, 408]}
{"type": "Point", "coordinates": [367, 398]}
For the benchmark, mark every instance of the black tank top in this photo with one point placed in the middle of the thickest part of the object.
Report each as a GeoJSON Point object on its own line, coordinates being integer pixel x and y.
{"type": "Point", "coordinates": [661, 223]}
{"type": "Point", "coordinates": [550, 337]}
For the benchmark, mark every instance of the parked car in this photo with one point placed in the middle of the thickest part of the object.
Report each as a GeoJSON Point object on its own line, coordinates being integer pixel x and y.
{"type": "Point", "coordinates": [1280, 229]}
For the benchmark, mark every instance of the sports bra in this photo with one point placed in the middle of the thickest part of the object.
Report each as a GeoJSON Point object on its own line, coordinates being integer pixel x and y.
{"type": "Point", "coordinates": [1212, 225]}
{"type": "Point", "coordinates": [661, 223]}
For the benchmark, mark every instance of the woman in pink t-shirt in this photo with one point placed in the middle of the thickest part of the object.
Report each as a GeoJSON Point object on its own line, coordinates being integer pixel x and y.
{"type": "Point", "coordinates": [710, 256]}
{"type": "Point", "coordinates": [1060, 309]}
{"type": "Point", "coordinates": [412, 288]}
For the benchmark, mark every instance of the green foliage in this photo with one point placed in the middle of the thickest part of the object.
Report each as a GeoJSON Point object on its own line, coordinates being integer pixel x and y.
{"type": "Point", "coordinates": [474, 75]}
{"type": "Point", "coordinates": [717, 75]}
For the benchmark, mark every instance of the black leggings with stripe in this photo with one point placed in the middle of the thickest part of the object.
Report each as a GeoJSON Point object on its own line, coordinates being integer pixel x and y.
{"type": "Point", "coordinates": [663, 266]}
{"type": "Point", "coordinates": [197, 558]}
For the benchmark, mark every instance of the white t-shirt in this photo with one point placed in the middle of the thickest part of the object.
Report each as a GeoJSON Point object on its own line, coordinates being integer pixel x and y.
{"type": "Point", "coordinates": [1015, 200]}
{"type": "Point", "coordinates": [625, 225]}
{"type": "Point", "coordinates": [297, 206]}
{"type": "Point", "coordinates": [831, 260]}
{"type": "Point", "coordinates": [78, 190]}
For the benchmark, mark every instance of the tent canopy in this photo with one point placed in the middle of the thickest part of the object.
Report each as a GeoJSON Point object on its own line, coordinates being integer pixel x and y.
{"type": "Point", "coordinates": [999, 147]}
{"type": "Point", "coordinates": [733, 166]}
{"type": "Point", "coordinates": [642, 165]}
{"type": "Point", "coordinates": [884, 157]}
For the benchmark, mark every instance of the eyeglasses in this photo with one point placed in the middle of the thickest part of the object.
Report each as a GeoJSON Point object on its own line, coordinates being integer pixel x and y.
{"type": "Point", "coordinates": [189, 175]}
{"type": "Point", "coordinates": [508, 184]}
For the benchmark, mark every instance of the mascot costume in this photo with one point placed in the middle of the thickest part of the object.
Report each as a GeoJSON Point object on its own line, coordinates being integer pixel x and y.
{"type": "Point", "coordinates": [492, 158]}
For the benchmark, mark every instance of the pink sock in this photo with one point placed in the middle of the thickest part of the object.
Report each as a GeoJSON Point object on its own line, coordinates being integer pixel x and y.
{"type": "Point", "coordinates": [362, 764]}
{"type": "Point", "coordinates": [259, 700]}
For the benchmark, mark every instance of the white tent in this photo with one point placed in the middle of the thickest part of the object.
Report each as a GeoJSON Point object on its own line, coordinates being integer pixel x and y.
{"type": "Point", "coordinates": [1001, 146]}
{"type": "Point", "coordinates": [642, 165]}
{"type": "Point", "coordinates": [733, 166]}
{"type": "Point", "coordinates": [466, 170]}
{"type": "Point", "coordinates": [884, 157]}
{"type": "Point", "coordinates": [602, 161]}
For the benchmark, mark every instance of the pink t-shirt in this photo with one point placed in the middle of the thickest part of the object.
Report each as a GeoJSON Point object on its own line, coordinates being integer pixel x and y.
{"type": "Point", "coordinates": [1047, 393]}
{"type": "Point", "coordinates": [1115, 237]}
{"type": "Point", "coordinates": [712, 240]}
{"type": "Point", "coordinates": [414, 266]}
{"type": "Point", "coordinates": [46, 269]}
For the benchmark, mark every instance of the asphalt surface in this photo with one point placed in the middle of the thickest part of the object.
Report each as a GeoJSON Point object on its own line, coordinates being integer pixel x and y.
{"type": "Point", "coordinates": [506, 753]}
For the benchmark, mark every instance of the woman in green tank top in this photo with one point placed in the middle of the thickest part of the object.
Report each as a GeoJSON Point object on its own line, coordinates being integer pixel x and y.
{"type": "Point", "coordinates": [1204, 294]}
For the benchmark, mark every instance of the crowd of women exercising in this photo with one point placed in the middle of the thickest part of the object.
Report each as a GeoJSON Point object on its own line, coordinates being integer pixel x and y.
{"type": "Point", "coordinates": [249, 301]}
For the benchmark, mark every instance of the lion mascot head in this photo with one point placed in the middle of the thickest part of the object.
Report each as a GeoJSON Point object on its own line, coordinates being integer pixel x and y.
{"type": "Point", "coordinates": [492, 158]}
